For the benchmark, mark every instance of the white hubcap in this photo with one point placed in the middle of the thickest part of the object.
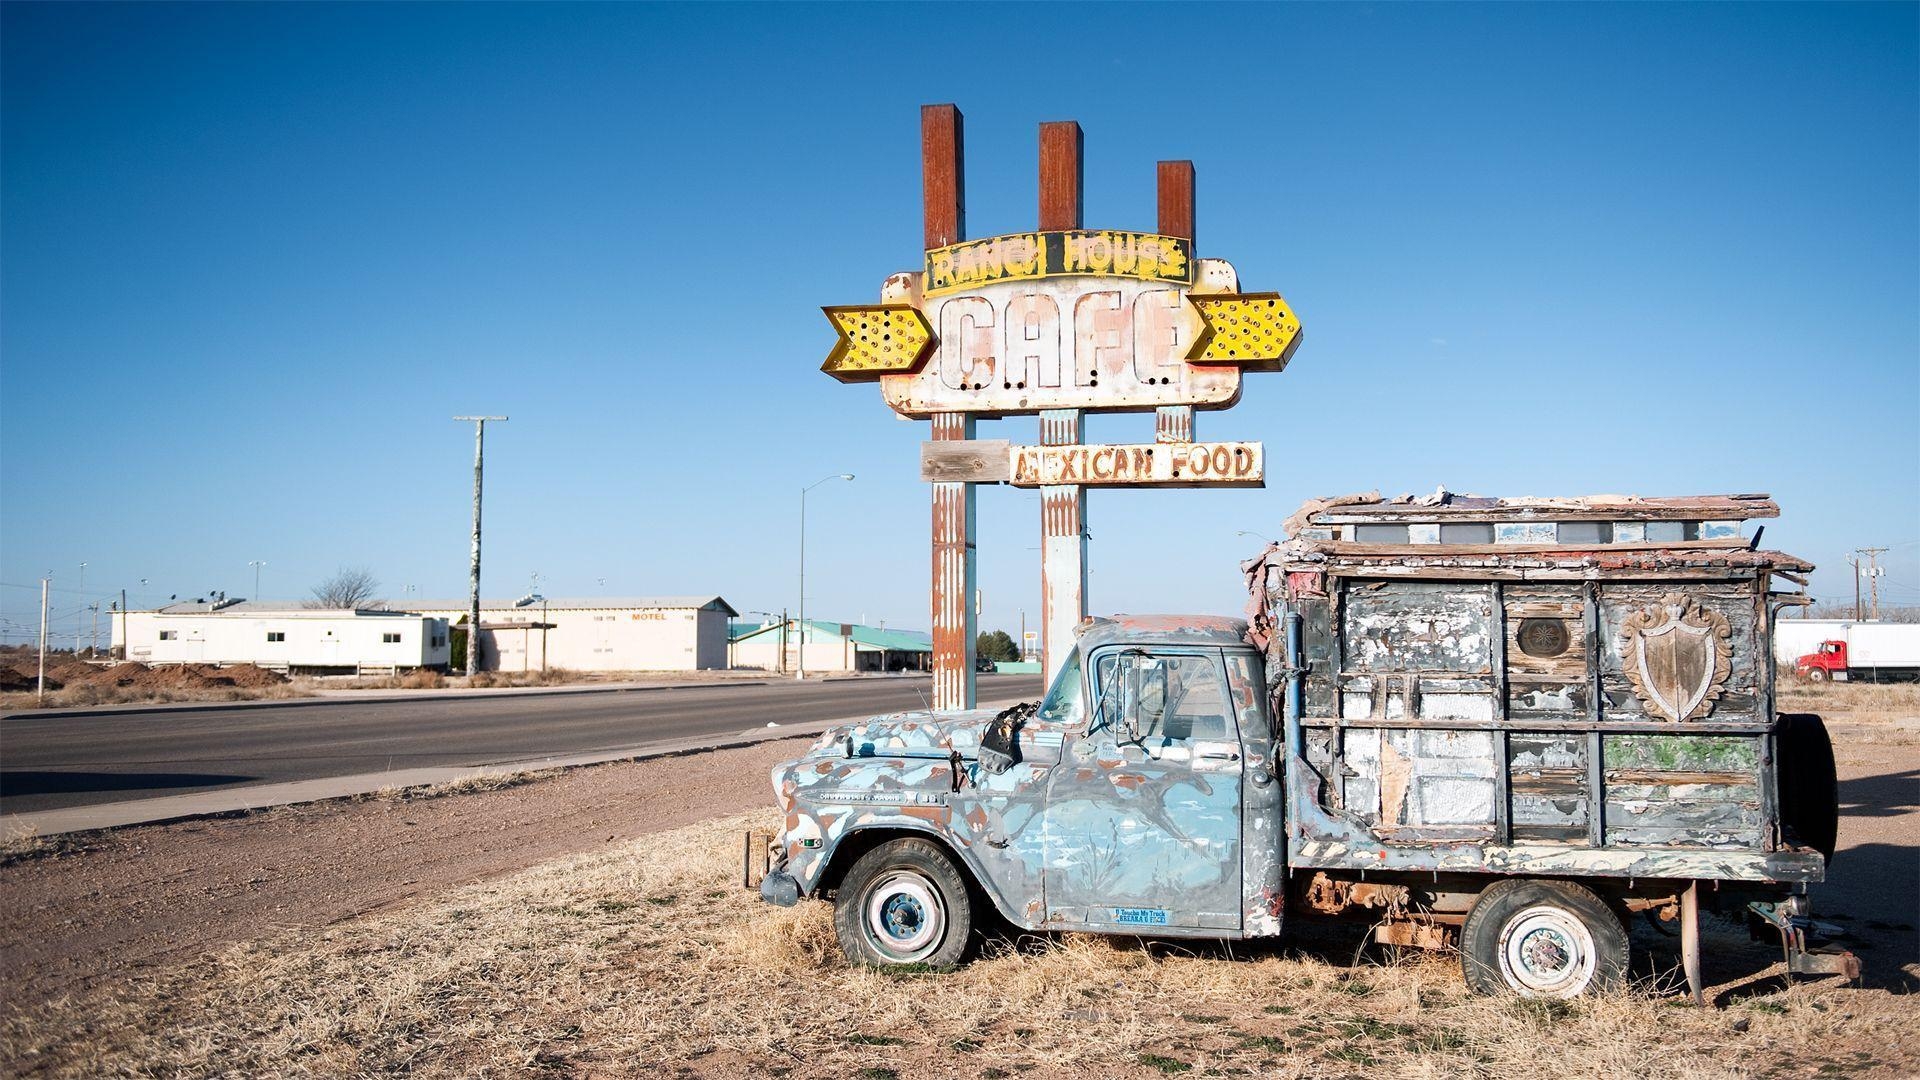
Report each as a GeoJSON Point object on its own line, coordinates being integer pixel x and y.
{"type": "Point", "coordinates": [906, 919]}
{"type": "Point", "coordinates": [1546, 952]}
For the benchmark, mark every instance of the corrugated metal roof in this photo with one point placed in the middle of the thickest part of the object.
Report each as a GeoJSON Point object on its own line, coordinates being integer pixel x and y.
{"type": "Point", "coordinates": [578, 603]}
{"type": "Point", "coordinates": [258, 608]}
{"type": "Point", "coordinates": [872, 636]}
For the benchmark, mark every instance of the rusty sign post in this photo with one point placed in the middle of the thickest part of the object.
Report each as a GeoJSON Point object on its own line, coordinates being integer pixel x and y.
{"type": "Point", "coordinates": [1054, 323]}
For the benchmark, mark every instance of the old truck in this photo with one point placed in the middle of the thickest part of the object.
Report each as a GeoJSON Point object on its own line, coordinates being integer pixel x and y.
{"type": "Point", "coordinates": [1865, 652]}
{"type": "Point", "coordinates": [1501, 726]}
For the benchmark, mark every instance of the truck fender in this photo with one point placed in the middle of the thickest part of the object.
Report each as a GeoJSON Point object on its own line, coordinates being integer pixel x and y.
{"type": "Point", "coordinates": [856, 842]}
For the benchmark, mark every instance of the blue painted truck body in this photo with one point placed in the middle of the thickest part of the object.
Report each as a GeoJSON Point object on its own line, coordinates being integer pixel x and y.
{"type": "Point", "coordinates": [1391, 728]}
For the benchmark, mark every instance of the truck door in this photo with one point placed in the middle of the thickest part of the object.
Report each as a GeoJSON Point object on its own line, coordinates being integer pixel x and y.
{"type": "Point", "coordinates": [1143, 822]}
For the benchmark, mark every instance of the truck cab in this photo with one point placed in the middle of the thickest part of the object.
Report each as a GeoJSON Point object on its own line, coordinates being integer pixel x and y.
{"type": "Point", "coordinates": [1828, 662]}
{"type": "Point", "coordinates": [1128, 800]}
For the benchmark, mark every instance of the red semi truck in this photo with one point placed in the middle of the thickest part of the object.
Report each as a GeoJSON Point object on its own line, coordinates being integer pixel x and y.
{"type": "Point", "coordinates": [1865, 652]}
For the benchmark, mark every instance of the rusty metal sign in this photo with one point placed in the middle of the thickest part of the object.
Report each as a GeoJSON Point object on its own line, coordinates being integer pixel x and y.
{"type": "Point", "coordinates": [1187, 464]}
{"type": "Point", "coordinates": [1035, 255]}
{"type": "Point", "coordinates": [1200, 464]}
{"type": "Point", "coordinates": [876, 341]}
{"type": "Point", "coordinates": [1100, 344]}
{"type": "Point", "coordinates": [1054, 323]}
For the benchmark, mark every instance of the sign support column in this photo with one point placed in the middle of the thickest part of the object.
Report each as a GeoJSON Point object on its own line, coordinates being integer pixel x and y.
{"type": "Point", "coordinates": [943, 187]}
{"type": "Point", "coordinates": [1063, 507]}
{"type": "Point", "coordinates": [1174, 182]}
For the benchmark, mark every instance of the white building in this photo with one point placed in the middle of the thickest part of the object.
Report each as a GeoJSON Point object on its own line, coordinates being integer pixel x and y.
{"type": "Point", "coordinates": [830, 646]}
{"type": "Point", "coordinates": [282, 636]}
{"type": "Point", "coordinates": [644, 633]}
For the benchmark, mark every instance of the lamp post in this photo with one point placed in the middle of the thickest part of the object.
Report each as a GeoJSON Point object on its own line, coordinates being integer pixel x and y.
{"type": "Point", "coordinates": [256, 564]}
{"type": "Point", "coordinates": [802, 667]}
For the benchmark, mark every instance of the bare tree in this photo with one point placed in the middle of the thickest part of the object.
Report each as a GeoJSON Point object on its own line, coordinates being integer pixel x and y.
{"type": "Point", "coordinates": [349, 587]}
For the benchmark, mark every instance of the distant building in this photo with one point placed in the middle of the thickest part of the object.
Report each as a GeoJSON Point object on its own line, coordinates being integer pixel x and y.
{"type": "Point", "coordinates": [283, 636]}
{"type": "Point", "coordinates": [643, 633]}
{"type": "Point", "coordinates": [831, 646]}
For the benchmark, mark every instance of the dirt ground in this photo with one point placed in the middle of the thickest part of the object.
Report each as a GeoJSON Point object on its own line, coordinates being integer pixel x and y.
{"type": "Point", "coordinates": [107, 938]}
{"type": "Point", "coordinates": [108, 905]}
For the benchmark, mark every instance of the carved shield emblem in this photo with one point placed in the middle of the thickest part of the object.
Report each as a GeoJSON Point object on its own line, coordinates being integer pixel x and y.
{"type": "Point", "coordinates": [1677, 655]}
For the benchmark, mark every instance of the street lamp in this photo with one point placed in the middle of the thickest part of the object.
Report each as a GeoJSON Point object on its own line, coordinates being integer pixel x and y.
{"type": "Point", "coordinates": [256, 564]}
{"type": "Point", "coordinates": [802, 669]}
{"type": "Point", "coordinates": [1256, 536]}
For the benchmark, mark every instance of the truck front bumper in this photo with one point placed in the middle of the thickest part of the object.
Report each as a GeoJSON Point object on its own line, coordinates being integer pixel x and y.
{"type": "Point", "coordinates": [780, 889]}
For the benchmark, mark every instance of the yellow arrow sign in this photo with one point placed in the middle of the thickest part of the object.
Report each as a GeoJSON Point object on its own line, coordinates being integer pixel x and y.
{"type": "Point", "coordinates": [888, 339]}
{"type": "Point", "coordinates": [1245, 328]}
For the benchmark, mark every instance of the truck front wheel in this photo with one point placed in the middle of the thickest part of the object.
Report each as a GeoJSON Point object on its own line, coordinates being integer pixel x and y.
{"type": "Point", "coordinates": [904, 902]}
{"type": "Point", "coordinates": [1542, 939]}
{"type": "Point", "coordinates": [1818, 674]}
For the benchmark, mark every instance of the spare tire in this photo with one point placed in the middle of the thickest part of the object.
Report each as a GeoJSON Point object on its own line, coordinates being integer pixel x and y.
{"type": "Point", "coordinates": [1809, 785]}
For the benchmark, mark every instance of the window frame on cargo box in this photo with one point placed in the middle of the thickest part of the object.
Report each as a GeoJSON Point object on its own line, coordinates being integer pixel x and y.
{"type": "Point", "coordinates": [1567, 532]}
{"type": "Point", "coordinates": [389, 638]}
{"type": "Point", "coordinates": [169, 635]}
{"type": "Point", "coordinates": [276, 636]}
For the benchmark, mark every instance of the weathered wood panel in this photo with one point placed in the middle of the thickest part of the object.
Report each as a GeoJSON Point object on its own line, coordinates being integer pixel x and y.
{"type": "Point", "coordinates": [1683, 790]}
{"type": "Point", "coordinates": [1735, 603]}
{"type": "Point", "coordinates": [1548, 782]}
{"type": "Point", "coordinates": [1419, 626]}
{"type": "Point", "coordinates": [966, 461]}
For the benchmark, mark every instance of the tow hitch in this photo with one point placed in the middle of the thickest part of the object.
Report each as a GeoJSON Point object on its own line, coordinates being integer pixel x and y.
{"type": "Point", "coordinates": [1789, 918]}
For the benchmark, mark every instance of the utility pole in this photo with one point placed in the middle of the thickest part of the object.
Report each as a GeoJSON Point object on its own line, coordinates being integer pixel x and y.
{"type": "Point", "coordinates": [79, 621]}
{"type": "Point", "coordinates": [124, 643]}
{"type": "Point", "coordinates": [1873, 577]}
{"type": "Point", "coordinates": [1855, 563]}
{"type": "Point", "coordinates": [40, 691]}
{"type": "Point", "coordinates": [93, 643]}
{"type": "Point", "coordinates": [473, 571]}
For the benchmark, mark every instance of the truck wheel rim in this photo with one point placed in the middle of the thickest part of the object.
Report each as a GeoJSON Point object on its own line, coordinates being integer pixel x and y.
{"type": "Point", "coordinates": [905, 917]}
{"type": "Point", "coordinates": [1546, 952]}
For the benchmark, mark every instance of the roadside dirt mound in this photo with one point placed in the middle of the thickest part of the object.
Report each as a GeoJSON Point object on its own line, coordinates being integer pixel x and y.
{"type": "Point", "coordinates": [178, 677]}
{"type": "Point", "coordinates": [250, 676]}
{"type": "Point", "coordinates": [72, 671]}
{"type": "Point", "coordinates": [15, 679]}
{"type": "Point", "coordinates": [120, 674]}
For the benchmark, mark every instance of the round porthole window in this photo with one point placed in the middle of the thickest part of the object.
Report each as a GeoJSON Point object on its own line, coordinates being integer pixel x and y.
{"type": "Point", "coordinates": [1544, 637]}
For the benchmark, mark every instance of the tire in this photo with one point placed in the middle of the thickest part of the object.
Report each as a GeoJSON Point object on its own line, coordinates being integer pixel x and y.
{"type": "Point", "coordinates": [1542, 939]}
{"type": "Point", "coordinates": [904, 903]}
{"type": "Point", "coordinates": [1809, 784]}
{"type": "Point", "coordinates": [1818, 674]}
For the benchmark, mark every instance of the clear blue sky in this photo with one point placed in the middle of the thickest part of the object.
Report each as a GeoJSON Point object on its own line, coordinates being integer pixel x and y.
{"type": "Point", "coordinates": [256, 256]}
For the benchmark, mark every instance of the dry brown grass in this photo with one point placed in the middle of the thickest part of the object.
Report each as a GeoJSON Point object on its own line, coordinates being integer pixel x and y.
{"type": "Point", "coordinates": [1856, 702]}
{"type": "Point", "coordinates": [648, 959]}
{"type": "Point", "coordinates": [82, 695]}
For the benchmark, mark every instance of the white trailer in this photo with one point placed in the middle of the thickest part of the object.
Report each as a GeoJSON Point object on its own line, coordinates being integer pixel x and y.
{"type": "Point", "coordinates": [283, 637]}
{"type": "Point", "coordinates": [1864, 652]}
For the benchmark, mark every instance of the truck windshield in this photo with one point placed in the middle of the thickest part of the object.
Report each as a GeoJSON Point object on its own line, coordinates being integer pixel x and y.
{"type": "Point", "coordinates": [1064, 702]}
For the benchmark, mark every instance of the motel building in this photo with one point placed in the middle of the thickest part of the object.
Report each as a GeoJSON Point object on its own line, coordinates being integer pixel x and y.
{"type": "Point", "coordinates": [831, 647]}
{"type": "Point", "coordinates": [645, 633]}
{"type": "Point", "coordinates": [283, 636]}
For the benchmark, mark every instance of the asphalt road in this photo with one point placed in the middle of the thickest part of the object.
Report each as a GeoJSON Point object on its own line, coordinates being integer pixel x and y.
{"type": "Point", "coordinates": [52, 762]}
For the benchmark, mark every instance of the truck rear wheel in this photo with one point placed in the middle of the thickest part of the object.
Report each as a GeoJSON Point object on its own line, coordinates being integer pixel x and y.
{"type": "Point", "coordinates": [1542, 939]}
{"type": "Point", "coordinates": [903, 903]}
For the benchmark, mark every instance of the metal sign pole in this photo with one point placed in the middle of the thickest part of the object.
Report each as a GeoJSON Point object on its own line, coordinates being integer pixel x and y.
{"type": "Point", "coordinates": [943, 186]}
{"type": "Point", "coordinates": [1063, 507]}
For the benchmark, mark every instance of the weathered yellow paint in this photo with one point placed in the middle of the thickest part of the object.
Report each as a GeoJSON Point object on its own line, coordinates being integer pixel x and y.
{"type": "Point", "coordinates": [1244, 328]}
{"type": "Point", "coordinates": [888, 339]}
{"type": "Point", "coordinates": [1080, 253]}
